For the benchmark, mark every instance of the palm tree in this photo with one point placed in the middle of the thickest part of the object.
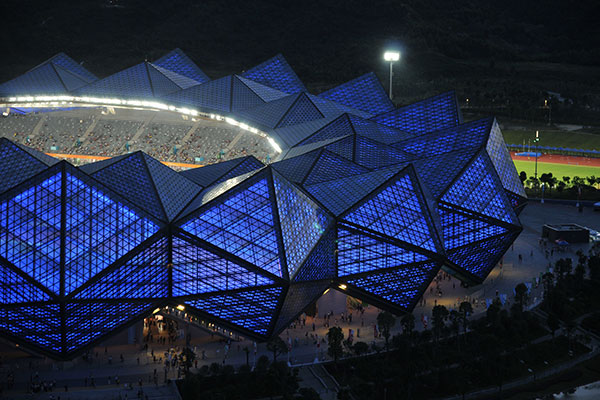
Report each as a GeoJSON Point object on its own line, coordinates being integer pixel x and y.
{"type": "Point", "coordinates": [438, 314]}
{"type": "Point", "coordinates": [335, 337]}
{"type": "Point", "coordinates": [277, 346]}
{"type": "Point", "coordinates": [465, 309]}
{"type": "Point", "coordinates": [521, 295]}
{"type": "Point", "coordinates": [386, 322]}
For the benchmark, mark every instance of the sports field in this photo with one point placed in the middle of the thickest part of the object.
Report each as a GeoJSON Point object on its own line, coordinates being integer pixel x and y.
{"type": "Point", "coordinates": [558, 170]}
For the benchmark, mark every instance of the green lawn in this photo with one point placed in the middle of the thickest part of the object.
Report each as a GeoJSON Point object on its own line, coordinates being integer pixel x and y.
{"type": "Point", "coordinates": [558, 170]}
{"type": "Point", "coordinates": [555, 138]}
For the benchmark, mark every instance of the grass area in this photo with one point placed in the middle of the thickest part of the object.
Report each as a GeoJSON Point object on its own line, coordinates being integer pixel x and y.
{"type": "Point", "coordinates": [558, 170]}
{"type": "Point", "coordinates": [555, 138]}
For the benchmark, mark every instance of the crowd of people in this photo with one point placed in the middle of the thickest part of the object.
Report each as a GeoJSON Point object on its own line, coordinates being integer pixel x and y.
{"type": "Point", "coordinates": [92, 133]}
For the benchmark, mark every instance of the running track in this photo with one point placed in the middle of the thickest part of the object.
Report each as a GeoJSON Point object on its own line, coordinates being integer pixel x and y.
{"type": "Point", "coordinates": [560, 159]}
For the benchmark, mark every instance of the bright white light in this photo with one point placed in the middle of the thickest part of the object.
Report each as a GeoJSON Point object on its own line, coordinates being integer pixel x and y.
{"type": "Point", "coordinates": [391, 56]}
{"type": "Point", "coordinates": [274, 145]}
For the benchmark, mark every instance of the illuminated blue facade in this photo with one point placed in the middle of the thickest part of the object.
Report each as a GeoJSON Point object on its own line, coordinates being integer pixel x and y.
{"type": "Point", "coordinates": [366, 198]}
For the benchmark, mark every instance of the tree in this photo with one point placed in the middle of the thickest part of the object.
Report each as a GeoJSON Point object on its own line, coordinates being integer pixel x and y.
{"type": "Point", "coordinates": [455, 319]}
{"type": "Point", "coordinates": [594, 267]}
{"type": "Point", "coordinates": [493, 311]}
{"type": "Point", "coordinates": [591, 180]}
{"type": "Point", "coordinates": [386, 321]}
{"type": "Point", "coordinates": [277, 346]}
{"type": "Point", "coordinates": [408, 324]}
{"type": "Point", "coordinates": [360, 348]}
{"type": "Point", "coordinates": [438, 315]}
{"type": "Point", "coordinates": [566, 179]}
{"type": "Point", "coordinates": [523, 176]}
{"type": "Point", "coordinates": [335, 337]}
{"type": "Point", "coordinates": [521, 295]}
{"type": "Point", "coordinates": [189, 356]}
{"type": "Point", "coordinates": [561, 186]}
{"type": "Point", "coordinates": [553, 323]}
{"type": "Point", "coordinates": [465, 310]}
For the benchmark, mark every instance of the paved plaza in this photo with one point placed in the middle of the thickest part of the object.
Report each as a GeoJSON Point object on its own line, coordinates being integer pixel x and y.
{"type": "Point", "coordinates": [144, 369]}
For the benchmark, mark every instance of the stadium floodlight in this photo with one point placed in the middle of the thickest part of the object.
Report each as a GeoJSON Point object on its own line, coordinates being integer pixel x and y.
{"type": "Point", "coordinates": [391, 57]}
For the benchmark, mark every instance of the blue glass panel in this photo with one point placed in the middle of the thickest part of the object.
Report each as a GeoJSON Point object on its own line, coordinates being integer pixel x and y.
{"type": "Point", "coordinates": [15, 289]}
{"type": "Point", "coordinates": [69, 80]}
{"type": "Point", "coordinates": [99, 231]}
{"type": "Point", "coordinates": [479, 258]}
{"type": "Point", "coordinates": [302, 111]}
{"type": "Point", "coordinates": [403, 286]}
{"type": "Point", "coordinates": [361, 253]}
{"type": "Point", "coordinates": [264, 92]}
{"type": "Point", "coordinates": [298, 297]}
{"type": "Point", "coordinates": [296, 168]}
{"type": "Point", "coordinates": [503, 163]}
{"type": "Point", "coordinates": [373, 155]}
{"type": "Point", "coordinates": [71, 65]}
{"type": "Point", "coordinates": [398, 210]}
{"type": "Point", "coordinates": [130, 178]}
{"type": "Point", "coordinates": [429, 115]}
{"type": "Point", "coordinates": [174, 190]}
{"type": "Point", "coordinates": [209, 96]}
{"type": "Point", "coordinates": [363, 93]}
{"type": "Point", "coordinates": [344, 147]}
{"type": "Point", "coordinates": [241, 223]}
{"type": "Point", "coordinates": [248, 164]}
{"type": "Point", "coordinates": [330, 166]}
{"type": "Point", "coordinates": [208, 174]}
{"type": "Point", "coordinates": [87, 322]}
{"type": "Point", "coordinates": [244, 97]}
{"type": "Point", "coordinates": [339, 127]}
{"type": "Point", "coordinates": [461, 137]}
{"type": "Point", "coordinates": [144, 276]}
{"type": "Point", "coordinates": [178, 62]}
{"type": "Point", "coordinates": [16, 165]}
{"type": "Point", "coordinates": [334, 109]}
{"type": "Point", "coordinates": [252, 310]}
{"type": "Point", "coordinates": [196, 270]}
{"type": "Point", "coordinates": [340, 194]}
{"type": "Point", "coordinates": [461, 227]}
{"type": "Point", "coordinates": [302, 222]}
{"type": "Point", "coordinates": [131, 83]}
{"type": "Point", "coordinates": [479, 189]}
{"type": "Point", "coordinates": [30, 230]}
{"type": "Point", "coordinates": [39, 325]}
{"type": "Point", "coordinates": [320, 263]}
{"type": "Point", "coordinates": [276, 73]}
{"type": "Point", "coordinates": [268, 114]}
{"type": "Point", "coordinates": [437, 172]}
{"type": "Point", "coordinates": [380, 133]}
{"type": "Point", "coordinates": [517, 202]}
{"type": "Point", "coordinates": [42, 80]}
{"type": "Point", "coordinates": [161, 84]}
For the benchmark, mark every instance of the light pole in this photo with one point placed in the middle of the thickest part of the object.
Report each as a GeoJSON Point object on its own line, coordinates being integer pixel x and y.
{"type": "Point", "coordinates": [391, 57]}
{"type": "Point", "coordinates": [536, 140]}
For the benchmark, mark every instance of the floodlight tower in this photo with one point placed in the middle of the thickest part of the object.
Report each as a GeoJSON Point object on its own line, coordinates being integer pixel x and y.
{"type": "Point", "coordinates": [391, 57]}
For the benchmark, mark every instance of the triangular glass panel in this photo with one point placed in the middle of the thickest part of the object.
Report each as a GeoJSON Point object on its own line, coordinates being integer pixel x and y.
{"type": "Point", "coordinates": [363, 93]}
{"type": "Point", "coordinates": [320, 263]}
{"type": "Point", "coordinates": [426, 116]}
{"type": "Point", "coordinates": [302, 222]}
{"type": "Point", "coordinates": [380, 133]}
{"type": "Point", "coordinates": [143, 276]}
{"type": "Point", "coordinates": [359, 253]}
{"type": "Point", "coordinates": [462, 227]}
{"type": "Point", "coordinates": [131, 83]}
{"type": "Point", "coordinates": [16, 289]}
{"type": "Point", "coordinates": [243, 97]}
{"type": "Point", "coordinates": [42, 80]}
{"type": "Point", "coordinates": [197, 270]}
{"type": "Point", "coordinates": [99, 230]}
{"type": "Point", "coordinates": [161, 84]}
{"type": "Point", "coordinates": [399, 211]}
{"type": "Point", "coordinates": [241, 223]}
{"type": "Point", "coordinates": [403, 286]}
{"type": "Point", "coordinates": [479, 258]}
{"type": "Point", "coordinates": [479, 189]}
{"type": "Point", "coordinates": [70, 80]}
{"type": "Point", "coordinates": [375, 155]}
{"type": "Point", "coordinates": [269, 114]}
{"type": "Point", "coordinates": [298, 297]}
{"type": "Point", "coordinates": [209, 96]}
{"type": "Point", "coordinates": [87, 322]}
{"type": "Point", "coordinates": [276, 73]}
{"type": "Point", "coordinates": [131, 179]}
{"type": "Point", "coordinates": [339, 127]}
{"type": "Point", "coordinates": [295, 169]}
{"type": "Point", "coordinates": [37, 325]}
{"type": "Point", "coordinates": [252, 310]}
{"type": "Point", "coordinates": [178, 62]}
{"type": "Point", "coordinates": [264, 92]}
{"type": "Point", "coordinates": [330, 166]}
{"type": "Point", "coordinates": [340, 194]}
{"type": "Point", "coordinates": [66, 62]}
{"type": "Point", "coordinates": [503, 163]}
{"type": "Point", "coordinates": [302, 111]}
{"type": "Point", "coordinates": [16, 165]}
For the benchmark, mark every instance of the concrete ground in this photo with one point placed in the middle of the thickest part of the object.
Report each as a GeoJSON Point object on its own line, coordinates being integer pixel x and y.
{"type": "Point", "coordinates": [307, 345]}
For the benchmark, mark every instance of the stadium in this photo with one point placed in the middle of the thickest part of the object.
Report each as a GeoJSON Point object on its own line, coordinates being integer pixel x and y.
{"type": "Point", "coordinates": [240, 199]}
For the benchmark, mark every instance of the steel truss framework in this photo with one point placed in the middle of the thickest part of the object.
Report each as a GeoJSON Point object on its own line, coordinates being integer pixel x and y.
{"type": "Point", "coordinates": [366, 198]}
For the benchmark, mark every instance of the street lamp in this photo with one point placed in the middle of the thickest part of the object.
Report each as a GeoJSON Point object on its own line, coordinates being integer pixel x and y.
{"type": "Point", "coordinates": [536, 140]}
{"type": "Point", "coordinates": [391, 57]}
